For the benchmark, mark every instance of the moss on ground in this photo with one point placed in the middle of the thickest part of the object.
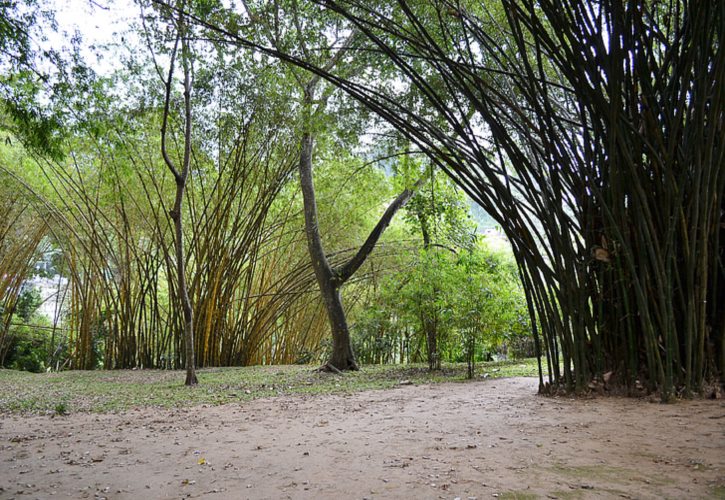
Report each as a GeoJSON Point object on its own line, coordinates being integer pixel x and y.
{"type": "Point", "coordinates": [718, 491]}
{"type": "Point", "coordinates": [599, 478]}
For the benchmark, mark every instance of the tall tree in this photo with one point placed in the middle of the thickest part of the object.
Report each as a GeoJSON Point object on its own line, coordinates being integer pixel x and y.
{"type": "Point", "coordinates": [43, 85]}
{"type": "Point", "coordinates": [180, 177]}
{"type": "Point", "coordinates": [305, 29]}
{"type": "Point", "coordinates": [441, 214]}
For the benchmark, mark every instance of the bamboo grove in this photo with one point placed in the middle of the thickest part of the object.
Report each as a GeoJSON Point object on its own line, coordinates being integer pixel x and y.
{"type": "Point", "coordinates": [116, 241]}
{"type": "Point", "coordinates": [104, 208]}
{"type": "Point", "coordinates": [102, 200]}
{"type": "Point", "coordinates": [593, 132]}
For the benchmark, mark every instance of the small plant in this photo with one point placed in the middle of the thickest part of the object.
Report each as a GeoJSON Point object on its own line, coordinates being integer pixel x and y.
{"type": "Point", "coordinates": [61, 409]}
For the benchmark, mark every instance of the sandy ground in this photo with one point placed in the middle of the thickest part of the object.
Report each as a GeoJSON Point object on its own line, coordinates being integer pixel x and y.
{"type": "Point", "coordinates": [492, 438]}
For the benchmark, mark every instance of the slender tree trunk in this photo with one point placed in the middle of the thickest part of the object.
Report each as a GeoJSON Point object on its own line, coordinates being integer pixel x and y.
{"type": "Point", "coordinates": [187, 311]}
{"type": "Point", "coordinates": [180, 177]}
{"type": "Point", "coordinates": [434, 362]}
{"type": "Point", "coordinates": [473, 356]}
{"type": "Point", "coordinates": [427, 322]}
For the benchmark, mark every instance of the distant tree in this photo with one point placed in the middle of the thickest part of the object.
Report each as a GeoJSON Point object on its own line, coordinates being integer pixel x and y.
{"type": "Point", "coordinates": [28, 303]}
{"type": "Point", "coordinates": [440, 214]}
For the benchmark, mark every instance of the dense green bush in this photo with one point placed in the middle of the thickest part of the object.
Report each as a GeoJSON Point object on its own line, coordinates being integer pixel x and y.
{"type": "Point", "coordinates": [468, 303]}
{"type": "Point", "coordinates": [28, 349]}
{"type": "Point", "coordinates": [30, 342]}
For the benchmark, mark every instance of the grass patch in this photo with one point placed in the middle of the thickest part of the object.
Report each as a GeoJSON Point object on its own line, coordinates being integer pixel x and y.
{"type": "Point", "coordinates": [585, 493]}
{"type": "Point", "coordinates": [602, 474]}
{"type": "Point", "coordinates": [718, 491]}
{"type": "Point", "coordinates": [109, 391]}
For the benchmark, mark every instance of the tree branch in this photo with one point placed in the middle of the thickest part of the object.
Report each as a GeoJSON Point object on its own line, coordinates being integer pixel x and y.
{"type": "Point", "coordinates": [343, 273]}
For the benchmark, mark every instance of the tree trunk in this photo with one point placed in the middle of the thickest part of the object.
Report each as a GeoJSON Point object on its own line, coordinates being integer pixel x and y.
{"type": "Point", "coordinates": [434, 362]}
{"type": "Point", "coordinates": [342, 357]}
{"type": "Point", "coordinates": [187, 311]}
{"type": "Point", "coordinates": [180, 177]}
{"type": "Point", "coordinates": [331, 280]}
{"type": "Point", "coordinates": [471, 354]}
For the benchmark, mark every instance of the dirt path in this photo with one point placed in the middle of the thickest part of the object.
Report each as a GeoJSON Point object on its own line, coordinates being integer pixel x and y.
{"type": "Point", "coordinates": [485, 439]}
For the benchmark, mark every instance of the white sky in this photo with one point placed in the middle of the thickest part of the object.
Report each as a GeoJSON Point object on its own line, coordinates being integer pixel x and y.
{"type": "Point", "coordinates": [100, 22]}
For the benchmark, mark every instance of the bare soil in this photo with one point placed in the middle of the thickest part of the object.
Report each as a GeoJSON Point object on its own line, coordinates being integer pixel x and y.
{"type": "Point", "coordinates": [493, 438]}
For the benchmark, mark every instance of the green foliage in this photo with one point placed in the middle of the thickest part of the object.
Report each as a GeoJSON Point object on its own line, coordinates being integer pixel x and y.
{"type": "Point", "coordinates": [473, 299]}
{"type": "Point", "coordinates": [457, 299]}
{"type": "Point", "coordinates": [21, 82]}
{"type": "Point", "coordinates": [28, 303]}
{"type": "Point", "coordinates": [28, 348]}
{"type": "Point", "coordinates": [439, 212]}
{"type": "Point", "coordinates": [46, 90]}
{"type": "Point", "coordinates": [376, 338]}
{"type": "Point", "coordinates": [31, 345]}
{"type": "Point", "coordinates": [352, 195]}
{"type": "Point", "coordinates": [61, 408]}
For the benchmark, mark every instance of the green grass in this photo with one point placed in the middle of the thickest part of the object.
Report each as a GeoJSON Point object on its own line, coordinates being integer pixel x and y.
{"type": "Point", "coordinates": [718, 491]}
{"type": "Point", "coordinates": [109, 391]}
{"type": "Point", "coordinates": [603, 479]}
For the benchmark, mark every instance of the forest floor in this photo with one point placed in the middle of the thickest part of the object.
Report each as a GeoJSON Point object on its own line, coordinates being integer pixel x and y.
{"type": "Point", "coordinates": [488, 438]}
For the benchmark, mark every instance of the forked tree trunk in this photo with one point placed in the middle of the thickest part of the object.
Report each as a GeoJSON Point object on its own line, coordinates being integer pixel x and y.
{"type": "Point", "coordinates": [330, 279]}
